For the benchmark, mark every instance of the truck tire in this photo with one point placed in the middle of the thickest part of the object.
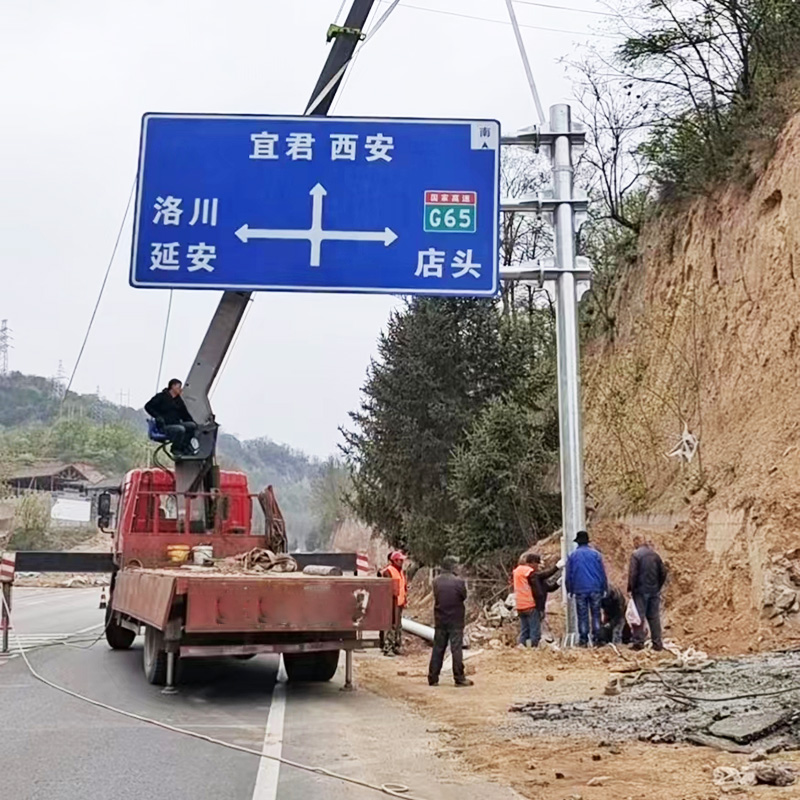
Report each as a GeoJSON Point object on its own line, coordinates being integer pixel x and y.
{"type": "Point", "coordinates": [311, 667]}
{"type": "Point", "coordinates": [155, 656]}
{"type": "Point", "coordinates": [118, 638]}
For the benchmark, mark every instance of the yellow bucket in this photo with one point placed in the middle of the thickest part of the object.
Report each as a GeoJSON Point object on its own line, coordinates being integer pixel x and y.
{"type": "Point", "coordinates": [178, 553]}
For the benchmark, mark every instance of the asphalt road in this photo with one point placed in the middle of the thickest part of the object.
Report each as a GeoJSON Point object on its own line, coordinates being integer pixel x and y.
{"type": "Point", "coordinates": [56, 747]}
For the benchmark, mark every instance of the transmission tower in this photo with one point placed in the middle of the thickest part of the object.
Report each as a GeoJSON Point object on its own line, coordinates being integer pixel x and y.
{"type": "Point", "coordinates": [5, 346]}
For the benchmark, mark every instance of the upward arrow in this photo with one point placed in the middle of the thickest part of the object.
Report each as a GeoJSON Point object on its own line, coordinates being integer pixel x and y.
{"type": "Point", "coordinates": [317, 193]}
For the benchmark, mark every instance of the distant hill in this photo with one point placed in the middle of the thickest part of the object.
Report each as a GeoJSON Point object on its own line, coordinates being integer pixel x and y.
{"type": "Point", "coordinates": [113, 438]}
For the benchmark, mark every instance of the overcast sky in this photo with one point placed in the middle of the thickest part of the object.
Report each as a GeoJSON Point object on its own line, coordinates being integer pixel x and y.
{"type": "Point", "coordinates": [77, 77]}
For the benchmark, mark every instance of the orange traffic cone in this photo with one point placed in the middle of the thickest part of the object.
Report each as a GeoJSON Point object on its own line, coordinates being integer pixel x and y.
{"type": "Point", "coordinates": [103, 599]}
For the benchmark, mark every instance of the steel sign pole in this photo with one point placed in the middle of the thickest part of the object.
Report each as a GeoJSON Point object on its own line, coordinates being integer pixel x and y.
{"type": "Point", "coordinates": [569, 388]}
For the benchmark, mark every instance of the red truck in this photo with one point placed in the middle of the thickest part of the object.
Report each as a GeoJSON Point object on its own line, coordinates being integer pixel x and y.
{"type": "Point", "coordinates": [191, 611]}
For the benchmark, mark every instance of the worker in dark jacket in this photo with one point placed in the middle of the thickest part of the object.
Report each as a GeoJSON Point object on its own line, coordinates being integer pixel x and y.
{"type": "Point", "coordinates": [449, 595]}
{"type": "Point", "coordinates": [612, 630]}
{"type": "Point", "coordinates": [541, 585]}
{"type": "Point", "coordinates": [587, 582]}
{"type": "Point", "coordinates": [172, 417]}
{"type": "Point", "coordinates": [646, 577]}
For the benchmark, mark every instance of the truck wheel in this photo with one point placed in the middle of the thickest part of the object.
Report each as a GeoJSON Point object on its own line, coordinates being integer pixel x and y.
{"type": "Point", "coordinates": [155, 656]}
{"type": "Point", "coordinates": [311, 667]}
{"type": "Point", "coordinates": [118, 638]}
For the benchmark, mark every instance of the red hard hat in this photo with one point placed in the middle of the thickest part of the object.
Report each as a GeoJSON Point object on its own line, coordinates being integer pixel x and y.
{"type": "Point", "coordinates": [398, 555]}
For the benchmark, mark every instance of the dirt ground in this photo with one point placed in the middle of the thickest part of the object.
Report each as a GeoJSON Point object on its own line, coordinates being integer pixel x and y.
{"type": "Point", "coordinates": [475, 727]}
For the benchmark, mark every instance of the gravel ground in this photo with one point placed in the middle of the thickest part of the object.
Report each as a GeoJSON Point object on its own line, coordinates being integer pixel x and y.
{"type": "Point", "coordinates": [729, 700]}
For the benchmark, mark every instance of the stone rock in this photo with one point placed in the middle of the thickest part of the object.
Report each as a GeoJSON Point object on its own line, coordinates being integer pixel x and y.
{"type": "Point", "coordinates": [550, 678]}
{"type": "Point", "coordinates": [510, 602]}
{"type": "Point", "coordinates": [745, 728]}
{"type": "Point", "coordinates": [773, 774]}
{"type": "Point", "coordinates": [785, 598]}
{"type": "Point", "coordinates": [598, 781]}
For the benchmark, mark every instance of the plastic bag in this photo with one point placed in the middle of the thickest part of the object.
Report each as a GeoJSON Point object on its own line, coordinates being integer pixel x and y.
{"type": "Point", "coordinates": [632, 614]}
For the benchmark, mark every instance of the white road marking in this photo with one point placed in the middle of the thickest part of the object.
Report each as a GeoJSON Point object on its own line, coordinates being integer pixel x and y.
{"type": "Point", "coordinates": [266, 787]}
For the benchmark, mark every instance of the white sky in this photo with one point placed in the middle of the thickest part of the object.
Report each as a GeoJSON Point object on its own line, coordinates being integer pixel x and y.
{"type": "Point", "coordinates": [77, 77]}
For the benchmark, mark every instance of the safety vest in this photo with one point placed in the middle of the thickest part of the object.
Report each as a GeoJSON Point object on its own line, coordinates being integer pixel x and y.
{"type": "Point", "coordinates": [522, 589]}
{"type": "Point", "coordinates": [399, 579]}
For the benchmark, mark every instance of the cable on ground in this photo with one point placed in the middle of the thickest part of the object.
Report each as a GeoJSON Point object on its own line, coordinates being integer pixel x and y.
{"type": "Point", "coordinates": [390, 789]}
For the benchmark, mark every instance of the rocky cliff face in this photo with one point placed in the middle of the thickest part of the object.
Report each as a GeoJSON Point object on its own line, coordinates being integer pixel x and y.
{"type": "Point", "coordinates": [708, 343]}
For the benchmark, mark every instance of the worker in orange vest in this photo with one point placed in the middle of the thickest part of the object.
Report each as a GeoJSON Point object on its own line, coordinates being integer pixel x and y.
{"type": "Point", "coordinates": [522, 578]}
{"type": "Point", "coordinates": [393, 638]}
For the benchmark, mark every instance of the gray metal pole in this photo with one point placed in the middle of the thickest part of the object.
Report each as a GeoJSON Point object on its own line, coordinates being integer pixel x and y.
{"type": "Point", "coordinates": [569, 389]}
{"type": "Point", "coordinates": [5, 616]}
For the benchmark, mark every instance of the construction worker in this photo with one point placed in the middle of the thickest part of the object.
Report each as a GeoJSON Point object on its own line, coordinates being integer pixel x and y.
{"type": "Point", "coordinates": [449, 595]}
{"type": "Point", "coordinates": [523, 598]}
{"type": "Point", "coordinates": [392, 639]}
{"type": "Point", "coordinates": [612, 607]}
{"type": "Point", "coordinates": [172, 417]}
{"type": "Point", "coordinates": [646, 577]}
{"type": "Point", "coordinates": [541, 584]}
{"type": "Point", "coordinates": [587, 582]}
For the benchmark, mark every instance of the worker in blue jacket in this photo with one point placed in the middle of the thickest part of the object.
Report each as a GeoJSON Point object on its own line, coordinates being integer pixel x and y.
{"type": "Point", "coordinates": [586, 581]}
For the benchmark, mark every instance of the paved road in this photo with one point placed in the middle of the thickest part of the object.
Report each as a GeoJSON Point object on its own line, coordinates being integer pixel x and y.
{"type": "Point", "coordinates": [56, 747]}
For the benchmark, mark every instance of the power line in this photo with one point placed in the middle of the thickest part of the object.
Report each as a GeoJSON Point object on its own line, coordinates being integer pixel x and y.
{"type": "Point", "coordinates": [504, 22]}
{"type": "Point", "coordinates": [575, 9]}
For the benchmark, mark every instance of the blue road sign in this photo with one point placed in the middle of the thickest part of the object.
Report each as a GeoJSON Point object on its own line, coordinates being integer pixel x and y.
{"type": "Point", "coordinates": [395, 206]}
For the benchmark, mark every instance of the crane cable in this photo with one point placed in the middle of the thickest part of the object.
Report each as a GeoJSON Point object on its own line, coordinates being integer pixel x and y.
{"type": "Point", "coordinates": [164, 340]}
{"type": "Point", "coordinates": [525, 62]}
{"type": "Point", "coordinates": [99, 296]}
{"type": "Point", "coordinates": [390, 789]}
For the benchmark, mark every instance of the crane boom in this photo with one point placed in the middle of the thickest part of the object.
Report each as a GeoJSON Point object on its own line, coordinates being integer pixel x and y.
{"type": "Point", "coordinates": [196, 472]}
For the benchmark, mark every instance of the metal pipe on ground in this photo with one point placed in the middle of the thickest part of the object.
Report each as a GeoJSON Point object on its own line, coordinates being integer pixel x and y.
{"type": "Point", "coordinates": [418, 629]}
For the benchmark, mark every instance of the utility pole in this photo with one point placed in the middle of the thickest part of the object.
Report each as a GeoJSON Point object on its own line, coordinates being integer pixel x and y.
{"type": "Point", "coordinates": [566, 270]}
{"type": "Point", "coordinates": [5, 346]}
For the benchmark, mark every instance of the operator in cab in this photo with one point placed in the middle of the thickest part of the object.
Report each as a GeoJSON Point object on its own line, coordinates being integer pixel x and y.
{"type": "Point", "coordinates": [172, 417]}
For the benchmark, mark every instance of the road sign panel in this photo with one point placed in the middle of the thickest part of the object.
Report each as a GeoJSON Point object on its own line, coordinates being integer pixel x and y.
{"type": "Point", "coordinates": [317, 204]}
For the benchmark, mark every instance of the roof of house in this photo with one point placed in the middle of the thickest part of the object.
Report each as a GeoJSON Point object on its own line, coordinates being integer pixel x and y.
{"type": "Point", "coordinates": [47, 469]}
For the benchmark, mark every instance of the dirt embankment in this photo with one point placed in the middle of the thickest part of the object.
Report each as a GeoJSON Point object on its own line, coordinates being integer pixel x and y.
{"type": "Point", "coordinates": [707, 342]}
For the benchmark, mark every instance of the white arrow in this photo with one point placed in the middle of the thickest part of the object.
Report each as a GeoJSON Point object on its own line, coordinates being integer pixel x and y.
{"type": "Point", "coordinates": [316, 234]}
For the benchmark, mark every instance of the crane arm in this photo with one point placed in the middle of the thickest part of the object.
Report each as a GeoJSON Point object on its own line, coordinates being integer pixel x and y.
{"type": "Point", "coordinates": [196, 472]}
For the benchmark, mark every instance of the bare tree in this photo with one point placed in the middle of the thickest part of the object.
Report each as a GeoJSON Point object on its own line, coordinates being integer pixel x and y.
{"type": "Point", "coordinates": [524, 237]}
